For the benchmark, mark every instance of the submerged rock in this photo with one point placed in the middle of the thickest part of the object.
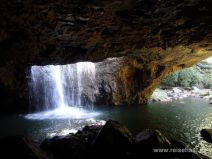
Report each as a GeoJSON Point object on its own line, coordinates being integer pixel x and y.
{"type": "Point", "coordinates": [207, 134]}
{"type": "Point", "coordinates": [20, 147]}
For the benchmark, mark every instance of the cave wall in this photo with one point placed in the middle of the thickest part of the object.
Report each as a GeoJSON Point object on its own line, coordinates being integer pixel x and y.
{"type": "Point", "coordinates": [138, 77]}
{"type": "Point", "coordinates": [157, 37]}
{"type": "Point", "coordinates": [107, 83]}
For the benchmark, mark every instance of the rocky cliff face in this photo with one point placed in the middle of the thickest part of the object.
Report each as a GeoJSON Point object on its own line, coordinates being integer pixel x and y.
{"type": "Point", "coordinates": [157, 37]}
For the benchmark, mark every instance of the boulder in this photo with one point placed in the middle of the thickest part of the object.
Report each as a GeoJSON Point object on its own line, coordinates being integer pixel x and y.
{"type": "Point", "coordinates": [177, 90]}
{"type": "Point", "coordinates": [206, 134]}
{"type": "Point", "coordinates": [160, 95]}
{"type": "Point", "coordinates": [89, 133]}
{"type": "Point", "coordinates": [66, 147]}
{"type": "Point", "coordinates": [114, 138]}
{"type": "Point", "coordinates": [20, 147]}
{"type": "Point", "coordinates": [149, 140]}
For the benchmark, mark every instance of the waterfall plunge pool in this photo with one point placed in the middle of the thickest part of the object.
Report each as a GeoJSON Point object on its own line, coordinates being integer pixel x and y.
{"type": "Point", "coordinates": [57, 108]}
{"type": "Point", "coordinates": [182, 120]}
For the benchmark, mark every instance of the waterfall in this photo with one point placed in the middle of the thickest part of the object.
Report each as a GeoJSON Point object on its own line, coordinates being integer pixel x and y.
{"type": "Point", "coordinates": [57, 78]}
{"type": "Point", "coordinates": [62, 86]}
{"type": "Point", "coordinates": [83, 69]}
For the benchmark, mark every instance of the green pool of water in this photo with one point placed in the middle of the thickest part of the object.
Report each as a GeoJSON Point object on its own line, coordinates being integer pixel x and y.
{"type": "Point", "coordinates": [182, 120]}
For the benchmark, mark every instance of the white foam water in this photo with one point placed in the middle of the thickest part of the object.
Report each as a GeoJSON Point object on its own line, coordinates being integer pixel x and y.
{"type": "Point", "coordinates": [56, 90]}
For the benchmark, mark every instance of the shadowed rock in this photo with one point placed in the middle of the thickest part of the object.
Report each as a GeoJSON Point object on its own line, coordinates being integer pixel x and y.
{"type": "Point", "coordinates": [114, 137]}
{"type": "Point", "coordinates": [148, 140]}
{"type": "Point", "coordinates": [115, 140]}
{"type": "Point", "coordinates": [207, 134]}
{"type": "Point", "coordinates": [70, 146]}
{"type": "Point", "coordinates": [20, 147]}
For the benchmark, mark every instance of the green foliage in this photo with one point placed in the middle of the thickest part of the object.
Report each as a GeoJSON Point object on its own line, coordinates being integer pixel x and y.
{"type": "Point", "coordinates": [171, 80]}
{"type": "Point", "coordinates": [207, 82]}
{"type": "Point", "coordinates": [198, 75]}
{"type": "Point", "coordinates": [189, 77]}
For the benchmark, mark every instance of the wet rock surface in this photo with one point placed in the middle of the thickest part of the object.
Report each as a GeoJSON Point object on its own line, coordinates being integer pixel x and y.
{"type": "Point", "coordinates": [207, 134]}
{"type": "Point", "coordinates": [115, 140]}
{"type": "Point", "coordinates": [110, 140]}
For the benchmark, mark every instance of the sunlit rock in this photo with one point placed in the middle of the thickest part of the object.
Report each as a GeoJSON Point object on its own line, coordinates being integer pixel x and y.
{"type": "Point", "coordinates": [160, 95]}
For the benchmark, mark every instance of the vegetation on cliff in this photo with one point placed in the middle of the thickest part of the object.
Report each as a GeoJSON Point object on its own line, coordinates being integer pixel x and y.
{"type": "Point", "coordinates": [200, 75]}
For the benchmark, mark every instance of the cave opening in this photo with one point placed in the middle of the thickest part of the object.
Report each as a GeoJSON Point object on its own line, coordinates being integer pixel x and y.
{"type": "Point", "coordinates": [65, 98]}
{"type": "Point", "coordinates": [57, 86]}
{"type": "Point", "coordinates": [71, 90]}
{"type": "Point", "coordinates": [69, 94]}
{"type": "Point", "coordinates": [82, 110]}
{"type": "Point", "coordinates": [195, 81]}
{"type": "Point", "coordinates": [62, 91]}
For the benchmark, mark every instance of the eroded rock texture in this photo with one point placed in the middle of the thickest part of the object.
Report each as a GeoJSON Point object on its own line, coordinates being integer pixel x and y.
{"type": "Point", "coordinates": [158, 37]}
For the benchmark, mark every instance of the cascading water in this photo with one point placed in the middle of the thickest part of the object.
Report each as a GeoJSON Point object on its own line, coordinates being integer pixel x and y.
{"type": "Point", "coordinates": [57, 77]}
{"type": "Point", "coordinates": [85, 74]}
{"type": "Point", "coordinates": [61, 91]}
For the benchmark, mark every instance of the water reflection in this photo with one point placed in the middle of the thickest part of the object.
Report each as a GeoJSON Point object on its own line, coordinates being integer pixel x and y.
{"type": "Point", "coordinates": [203, 146]}
{"type": "Point", "coordinates": [51, 128]}
{"type": "Point", "coordinates": [180, 120]}
{"type": "Point", "coordinates": [64, 128]}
